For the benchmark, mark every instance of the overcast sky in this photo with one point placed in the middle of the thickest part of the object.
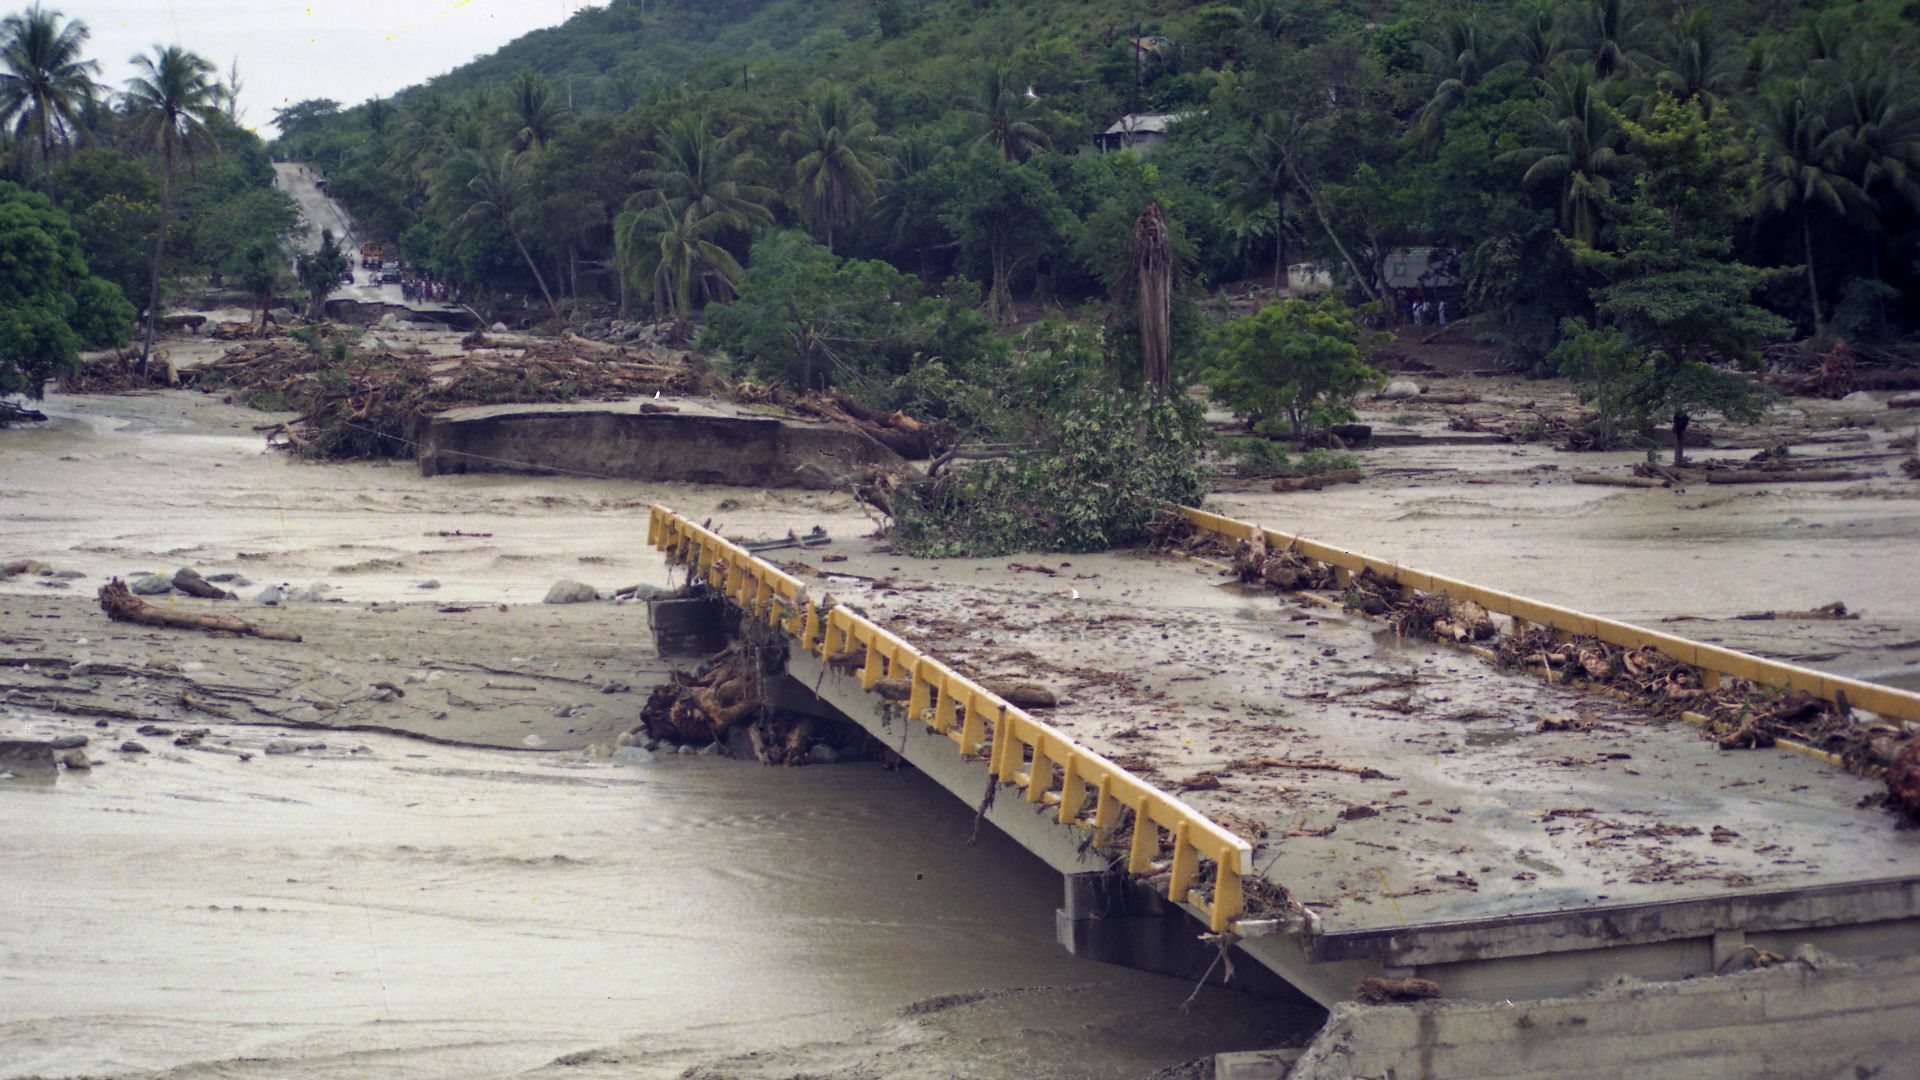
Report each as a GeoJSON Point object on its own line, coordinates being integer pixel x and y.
{"type": "Point", "coordinates": [348, 50]}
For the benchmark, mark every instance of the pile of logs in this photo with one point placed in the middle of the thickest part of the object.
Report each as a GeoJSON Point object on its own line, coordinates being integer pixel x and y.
{"type": "Point", "coordinates": [375, 405]}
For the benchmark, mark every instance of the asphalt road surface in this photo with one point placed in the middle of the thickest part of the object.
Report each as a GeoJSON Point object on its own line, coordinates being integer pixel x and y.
{"type": "Point", "coordinates": [322, 212]}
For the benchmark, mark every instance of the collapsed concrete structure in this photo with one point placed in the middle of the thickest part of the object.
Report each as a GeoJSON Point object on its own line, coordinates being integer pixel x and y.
{"type": "Point", "coordinates": [690, 440]}
{"type": "Point", "coordinates": [1579, 895]}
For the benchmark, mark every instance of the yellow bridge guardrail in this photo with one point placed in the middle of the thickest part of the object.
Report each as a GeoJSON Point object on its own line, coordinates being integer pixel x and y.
{"type": "Point", "coordinates": [1712, 661]}
{"type": "Point", "coordinates": [1085, 790]}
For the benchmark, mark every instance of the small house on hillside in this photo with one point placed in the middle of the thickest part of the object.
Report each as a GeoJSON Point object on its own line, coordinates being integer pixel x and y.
{"type": "Point", "coordinates": [1138, 132]}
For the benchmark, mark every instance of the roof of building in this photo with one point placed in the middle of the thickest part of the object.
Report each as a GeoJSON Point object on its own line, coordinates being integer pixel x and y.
{"type": "Point", "coordinates": [1144, 123]}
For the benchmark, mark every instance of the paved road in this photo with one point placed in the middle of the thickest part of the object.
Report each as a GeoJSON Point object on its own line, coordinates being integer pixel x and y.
{"type": "Point", "coordinates": [322, 212]}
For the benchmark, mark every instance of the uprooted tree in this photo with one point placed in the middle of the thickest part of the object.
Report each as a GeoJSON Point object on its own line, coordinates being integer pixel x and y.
{"type": "Point", "coordinates": [1089, 461]}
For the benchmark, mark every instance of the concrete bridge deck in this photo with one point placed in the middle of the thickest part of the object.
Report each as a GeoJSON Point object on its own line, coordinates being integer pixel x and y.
{"type": "Point", "coordinates": [1460, 841]}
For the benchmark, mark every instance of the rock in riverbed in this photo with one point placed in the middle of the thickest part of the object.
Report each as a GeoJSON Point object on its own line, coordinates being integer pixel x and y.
{"type": "Point", "coordinates": [150, 585]}
{"type": "Point", "coordinates": [571, 592]}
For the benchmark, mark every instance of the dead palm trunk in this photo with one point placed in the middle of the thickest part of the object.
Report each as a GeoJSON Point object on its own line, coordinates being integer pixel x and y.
{"type": "Point", "coordinates": [1153, 278]}
{"type": "Point", "coordinates": [159, 251]}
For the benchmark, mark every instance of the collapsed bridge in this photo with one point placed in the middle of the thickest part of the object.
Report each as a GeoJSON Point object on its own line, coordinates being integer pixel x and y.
{"type": "Point", "coordinates": [1335, 801]}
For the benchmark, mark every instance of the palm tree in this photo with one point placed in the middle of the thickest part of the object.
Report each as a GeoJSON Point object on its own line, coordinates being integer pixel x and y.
{"type": "Point", "coordinates": [496, 188]}
{"type": "Point", "coordinates": [1263, 179]}
{"type": "Point", "coordinates": [534, 113]}
{"type": "Point", "coordinates": [1535, 41]}
{"type": "Point", "coordinates": [1800, 170]}
{"type": "Point", "coordinates": [379, 116]}
{"type": "Point", "coordinates": [1879, 120]}
{"type": "Point", "coordinates": [1005, 111]}
{"type": "Point", "coordinates": [1456, 57]}
{"type": "Point", "coordinates": [1698, 59]}
{"type": "Point", "coordinates": [170, 103]}
{"type": "Point", "coordinates": [1608, 36]}
{"type": "Point", "coordinates": [672, 254]}
{"type": "Point", "coordinates": [697, 174]}
{"type": "Point", "coordinates": [44, 85]}
{"type": "Point", "coordinates": [1578, 147]}
{"type": "Point", "coordinates": [892, 211]}
{"type": "Point", "coordinates": [833, 159]}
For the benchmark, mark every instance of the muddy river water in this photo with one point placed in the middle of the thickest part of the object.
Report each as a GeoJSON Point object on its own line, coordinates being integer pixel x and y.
{"type": "Point", "coordinates": [388, 907]}
{"type": "Point", "coordinates": [409, 910]}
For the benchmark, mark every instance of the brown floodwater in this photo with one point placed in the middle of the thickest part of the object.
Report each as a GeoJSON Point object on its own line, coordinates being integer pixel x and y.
{"type": "Point", "coordinates": [392, 909]}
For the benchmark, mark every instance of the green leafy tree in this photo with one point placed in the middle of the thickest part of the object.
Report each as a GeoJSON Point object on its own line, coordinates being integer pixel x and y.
{"type": "Point", "coordinates": [50, 306]}
{"type": "Point", "coordinates": [44, 83]}
{"type": "Point", "coordinates": [170, 102]}
{"type": "Point", "coordinates": [116, 233]}
{"type": "Point", "coordinates": [320, 272]}
{"type": "Point", "coordinates": [833, 159]}
{"type": "Point", "coordinates": [1294, 361]}
{"type": "Point", "coordinates": [1676, 303]}
{"type": "Point", "coordinates": [1099, 460]}
{"type": "Point", "coordinates": [808, 318]}
{"type": "Point", "coordinates": [1000, 209]}
{"type": "Point", "coordinates": [243, 240]}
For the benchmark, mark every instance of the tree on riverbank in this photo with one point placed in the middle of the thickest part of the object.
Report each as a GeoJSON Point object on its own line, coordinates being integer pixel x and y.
{"type": "Point", "coordinates": [50, 306]}
{"type": "Point", "coordinates": [170, 103]}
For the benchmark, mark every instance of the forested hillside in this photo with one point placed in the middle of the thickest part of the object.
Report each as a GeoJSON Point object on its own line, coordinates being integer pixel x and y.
{"type": "Point", "coordinates": [950, 140]}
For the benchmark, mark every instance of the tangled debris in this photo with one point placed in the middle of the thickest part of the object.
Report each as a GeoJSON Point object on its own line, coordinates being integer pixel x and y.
{"type": "Point", "coordinates": [910, 438]}
{"type": "Point", "coordinates": [1736, 714]}
{"type": "Point", "coordinates": [722, 702]}
{"type": "Point", "coordinates": [377, 404]}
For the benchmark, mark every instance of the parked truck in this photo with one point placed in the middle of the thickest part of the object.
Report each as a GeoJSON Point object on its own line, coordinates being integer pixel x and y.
{"type": "Point", "coordinates": [372, 255]}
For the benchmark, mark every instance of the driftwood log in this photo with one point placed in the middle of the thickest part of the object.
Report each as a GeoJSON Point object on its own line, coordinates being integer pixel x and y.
{"type": "Point", "coordinates": [120, 604]}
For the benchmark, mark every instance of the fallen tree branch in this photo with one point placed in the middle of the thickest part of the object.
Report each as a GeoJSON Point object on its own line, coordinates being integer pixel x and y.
{"type": "Point", "coordinates": [122, 606]}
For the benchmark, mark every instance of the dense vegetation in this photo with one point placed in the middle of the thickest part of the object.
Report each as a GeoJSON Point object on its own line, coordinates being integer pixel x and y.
{"type": "Point", "coordinates": [130, 192]}
{"type": "Point", "coordinates": [654, 140]}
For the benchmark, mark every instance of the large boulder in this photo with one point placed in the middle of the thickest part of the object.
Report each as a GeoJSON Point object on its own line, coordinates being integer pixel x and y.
{"type": "Point", "coordinates": [1400, 389]}
{"type": "Point", "coordinates": [151, 585]}
{"type": "Point", "coordinates": [571, 592]}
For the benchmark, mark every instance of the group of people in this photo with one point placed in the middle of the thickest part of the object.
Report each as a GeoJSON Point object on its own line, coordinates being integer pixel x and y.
{"type": "Point", "coordinates": [431, 290]}
{"type": "Point", "coordinates": [1421, 311]}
